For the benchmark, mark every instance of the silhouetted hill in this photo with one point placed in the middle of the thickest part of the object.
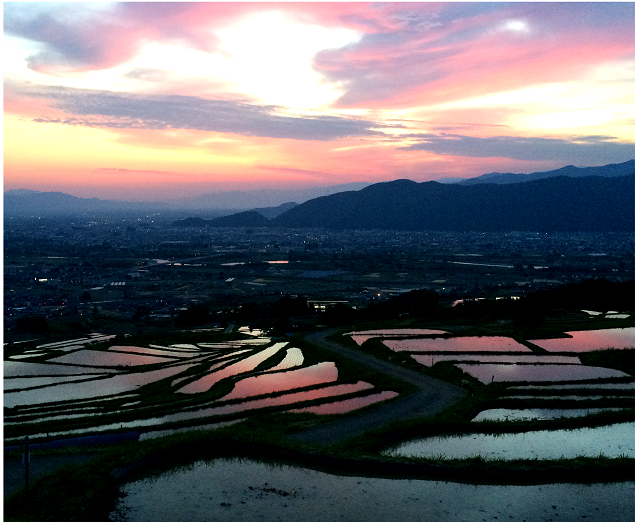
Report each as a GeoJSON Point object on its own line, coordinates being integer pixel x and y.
{"type": "Point", "coordinates": [271, 212]}
{"type": "Point", "coordinates": [258, 217]}
{"type": "Point", "coordinates": [22, 201]}
{"type": "Point", "coordinates": [554, 204]}
{"type": "Point", "coordinates": [249, 218]}
{"type": "Point", "coordinates": [608, 171]}
{"type": "Point", "coordinates": [252, 199]}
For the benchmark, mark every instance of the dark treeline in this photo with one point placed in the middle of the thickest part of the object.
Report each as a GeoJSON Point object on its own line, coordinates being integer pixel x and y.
{"type": "Point", "coordinates": [284, 314]}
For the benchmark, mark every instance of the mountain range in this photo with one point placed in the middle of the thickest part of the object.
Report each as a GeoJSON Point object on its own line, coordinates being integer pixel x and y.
{"type": "Point", "coordinates": [595, 204]}
{"type": "Point", "coordinates": [268, 202]}
{"type": "Point", "coordinates": [607, 171]}
{"type": "Point", "coordinates": [567, 199]}
{"type": "Point", "coordinates": [558, 203]}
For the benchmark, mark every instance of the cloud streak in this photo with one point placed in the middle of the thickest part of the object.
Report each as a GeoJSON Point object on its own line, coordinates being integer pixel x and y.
{"type": "Point", "coordinates": [92, 108]}
{"type": "Point", "coordinates": [116, 170]}
{"type": "Point", "coordinates": [595, 150]}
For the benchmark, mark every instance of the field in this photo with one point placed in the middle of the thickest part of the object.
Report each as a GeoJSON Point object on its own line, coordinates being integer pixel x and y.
{"type": "Point", "coordinates": [229, 393]}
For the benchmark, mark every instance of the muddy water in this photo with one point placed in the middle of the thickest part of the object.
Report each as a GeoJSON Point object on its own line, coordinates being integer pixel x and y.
{"type": "Point", "coordinates": [235, 491]}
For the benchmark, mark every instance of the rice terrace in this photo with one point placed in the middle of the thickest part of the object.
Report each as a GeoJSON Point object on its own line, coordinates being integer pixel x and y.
{"type": "Point", "coordinates": [450, 407]}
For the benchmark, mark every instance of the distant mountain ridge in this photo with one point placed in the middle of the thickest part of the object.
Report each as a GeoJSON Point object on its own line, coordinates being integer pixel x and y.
{"type": "Point", "coordinates": [252, 199]}
{"type": "Point", "coordinates": [30, 202]}
{"type": "Point", "coordinates": [23, 201]}
{"type": "Point", "coordinates": [607, 171]}
{"type": "Point", "coordinates": [271, 212]}
{"type": "Point", "coordinates": [269, 202]}
{"type": "Point", "coordinates": [561, 203]}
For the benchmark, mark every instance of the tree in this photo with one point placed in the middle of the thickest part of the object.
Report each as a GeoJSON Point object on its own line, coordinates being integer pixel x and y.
{"type": "Point", "coordinates": [195, 315]}
{"type": "Point", "coordinates": [36, 324]}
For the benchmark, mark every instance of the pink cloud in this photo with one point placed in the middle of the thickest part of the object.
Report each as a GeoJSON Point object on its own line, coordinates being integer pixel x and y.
{"type": "Point", "coordinates": [77, 39]}
{"type": "Point", "coordinates": [406, 47]}
{"type": "Point", "coordinates": [471, 55]}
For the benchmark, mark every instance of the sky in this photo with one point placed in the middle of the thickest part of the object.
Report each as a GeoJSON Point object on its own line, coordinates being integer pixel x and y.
{"type": "Point", "coordinates": [157, 101]}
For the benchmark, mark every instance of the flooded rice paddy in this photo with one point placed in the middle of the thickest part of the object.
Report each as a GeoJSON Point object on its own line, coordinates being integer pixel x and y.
{"type": "Point", "coordinates": [590, 340]}
{"type": "Point", "coordinates": [23, 383]}
{"type": "Point", "coordinates": [293, 358]}
{"type": "Point", "coordinates": [245, 365]}
{"type": "Point", "coordinates": [611, 441]}
{"type": "Point", "coordinates": [38, 369]}
{"type": "Point", "coordinates": [487, 373]}
{"type": "Point", "coordinates": [456, 344]}
{"type": "Point", "coordinates": [101, 358]}
{"type": "Point", "coordinates": [430, 360]}
{"type": "Point", "coordinates": [320, 373]}
{"type": "Point", "coordinates": [578, 386]}
{"type": "Point", "coordinates": [165, 352]}
{"type": "Point", "coordinates": [346, 405]}
{"type": "Point", "coordinates": [58, 386]}
{"type": "Point", "coordinates": [226, 490]}
{"type": "Point", "coordinates": [590, 397]}
{"type": "Point", "coordinates": [362, 336]}
{"type": "Point", "coordinates": [109, 386]}
{"type": "Point", "coordinates": [293, 399]}
{"type": "Point", "coordinates": [510, 414]}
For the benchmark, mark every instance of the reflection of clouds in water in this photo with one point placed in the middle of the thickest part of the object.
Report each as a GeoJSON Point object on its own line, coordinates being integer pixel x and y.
{"type": "Point", "coordinates": [487, 373]}
{"type": "Point", "coordinates": [262, 384]}
{"type": "Point", "coordinates": [91, 389]}
{"type": "Point", "coordinates": [458, 344]}
{"type": "Point", "coordinates": [348, 404]}
{"type": "Point", "coordinates": [282, 400]}
{"type": "Point", "coordinates": [589, 340]}
{"type": "Point", "coordinates": [430, 360]}
{"type": "Point", "coordinates": [101, 358]}
{"type": "Point", "coordinates": [245, 365]}
{"type": "Point", "coordinates": [222, 363]}
{"type": "Point", "coordinates": [24, 369]}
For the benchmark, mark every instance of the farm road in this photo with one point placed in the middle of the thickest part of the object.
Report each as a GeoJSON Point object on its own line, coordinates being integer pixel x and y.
{"type": "Point", "coordinates": [431, 397]}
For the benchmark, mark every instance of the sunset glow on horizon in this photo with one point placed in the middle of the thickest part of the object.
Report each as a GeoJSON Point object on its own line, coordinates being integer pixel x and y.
{"type": "Point", "coordinates": [154, 101]}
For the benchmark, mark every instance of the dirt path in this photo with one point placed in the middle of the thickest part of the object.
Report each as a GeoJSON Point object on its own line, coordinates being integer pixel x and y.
{"type": "Point", "coordinates": [432, 397]}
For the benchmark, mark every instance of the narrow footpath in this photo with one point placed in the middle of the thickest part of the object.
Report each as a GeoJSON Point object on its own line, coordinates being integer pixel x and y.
{"type": "Point", "coordinates": [431, 397]}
